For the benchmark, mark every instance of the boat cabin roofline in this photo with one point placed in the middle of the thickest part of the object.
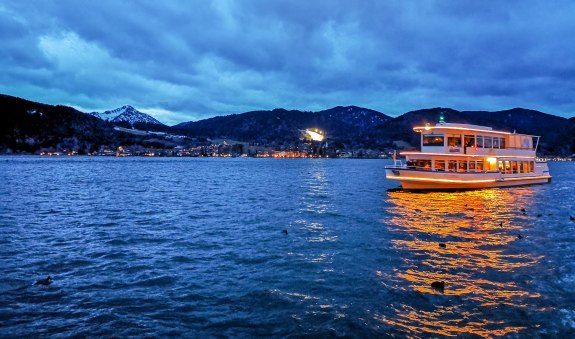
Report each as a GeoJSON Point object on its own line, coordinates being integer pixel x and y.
{"type": "Point", "coordinates": [465, 127]}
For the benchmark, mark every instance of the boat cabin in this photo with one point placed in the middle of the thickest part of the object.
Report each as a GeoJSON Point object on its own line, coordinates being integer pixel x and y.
{"type": "Point", "coordinates": [470, 148]}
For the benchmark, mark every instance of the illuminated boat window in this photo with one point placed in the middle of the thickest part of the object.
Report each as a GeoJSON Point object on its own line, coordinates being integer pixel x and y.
{"type": "Point", "coordinates": [452, 165]}
{"type": "Point", "coordinates": [433, 140]}
{"type": "Point", "coordinates": [462, 166]}
{"type": "Point", "coordinates": [479, 166]}
{"type": "Point", "coordinates": [469, 140]}
{"type": "Point", "coordinates": [454, 140]}
{"type": "Point", "coordinates": [439, 165]}
{"type": "Point", "coordinates": [472, 166]}
{"type": "Point", "coordinates": [422, 164]}
{"type": "Point", "coordinates": [491, 164]}
{"type": "Point", "coordinates": [507, 167]}
{"type": "Point", "coordinates": [514, 166]}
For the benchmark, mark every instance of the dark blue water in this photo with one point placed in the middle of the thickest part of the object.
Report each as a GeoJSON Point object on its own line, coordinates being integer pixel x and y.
{"type": "Point", "coordinates": [152, 247]}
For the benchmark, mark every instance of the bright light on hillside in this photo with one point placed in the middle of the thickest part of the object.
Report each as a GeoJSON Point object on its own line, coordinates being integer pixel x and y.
{"type": "Point", "coordinates": [315, 135]}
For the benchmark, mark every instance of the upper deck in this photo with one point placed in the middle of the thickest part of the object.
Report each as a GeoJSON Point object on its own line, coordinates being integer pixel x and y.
{"type": "Point", "coordinates": [464, 139]}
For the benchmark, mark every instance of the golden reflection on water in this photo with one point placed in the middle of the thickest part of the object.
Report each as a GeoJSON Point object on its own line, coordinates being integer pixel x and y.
{"type": "Point", "coordinates": [476, 227]}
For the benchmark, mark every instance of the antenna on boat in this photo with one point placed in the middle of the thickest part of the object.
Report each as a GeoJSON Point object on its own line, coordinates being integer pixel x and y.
{"type": "Point", "coordinates": [441, 118]}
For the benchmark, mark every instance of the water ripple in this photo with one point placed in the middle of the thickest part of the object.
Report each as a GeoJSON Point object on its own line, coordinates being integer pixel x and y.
{"type": "Point", "coordinates": [196, 248]}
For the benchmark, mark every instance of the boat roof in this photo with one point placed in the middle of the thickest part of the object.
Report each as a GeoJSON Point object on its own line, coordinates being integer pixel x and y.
{"type": "Point", "coordinates": [463, 127]}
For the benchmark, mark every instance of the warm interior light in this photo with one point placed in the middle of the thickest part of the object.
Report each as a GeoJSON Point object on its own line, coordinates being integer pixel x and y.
{"type": "Point", "coordinates": [492, 160]}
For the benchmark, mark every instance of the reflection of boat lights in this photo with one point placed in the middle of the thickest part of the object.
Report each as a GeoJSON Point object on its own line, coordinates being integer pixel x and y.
{"type": "Point", "coordinates": [315, 135]}
{"type": "Point", "coordinates": [476, 226]}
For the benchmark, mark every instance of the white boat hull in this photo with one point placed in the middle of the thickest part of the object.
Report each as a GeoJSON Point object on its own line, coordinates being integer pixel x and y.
{"type": "Point", "coordinates": [434, 180]}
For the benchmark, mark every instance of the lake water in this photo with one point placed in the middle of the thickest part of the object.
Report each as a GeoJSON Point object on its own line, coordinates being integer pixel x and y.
{"type": "Point", "coordinates": [194, 247]}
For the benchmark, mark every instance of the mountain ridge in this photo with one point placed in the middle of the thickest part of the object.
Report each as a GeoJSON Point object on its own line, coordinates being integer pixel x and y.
{"type": "Point", "coordinates": [269, 126]}
{"type": "Point", "coordinates": [26, 126]}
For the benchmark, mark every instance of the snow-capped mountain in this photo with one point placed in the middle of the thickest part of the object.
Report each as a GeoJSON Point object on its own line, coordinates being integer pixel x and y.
{"type": "Point", "coordinates": [126, 113]}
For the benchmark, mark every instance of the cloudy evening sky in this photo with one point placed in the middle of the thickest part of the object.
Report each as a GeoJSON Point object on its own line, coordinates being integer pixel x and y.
{"type": "Point", "coordinates": [188, 60]}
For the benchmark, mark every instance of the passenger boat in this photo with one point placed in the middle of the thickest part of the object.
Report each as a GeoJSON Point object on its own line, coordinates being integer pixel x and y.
{"type": "Point", "coordinates": [462, 156]}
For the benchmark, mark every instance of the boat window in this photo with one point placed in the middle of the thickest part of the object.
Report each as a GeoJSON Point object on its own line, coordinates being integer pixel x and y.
{"type": "Point", "coordinates": [527, 142]}
{"type": "Point", "coordinates": [531, 167]}
{"type": "Point", "coordinates": [479, 166]}
{"type": "Point", "coordinates": [521, 167]}
{"type": "Point", "coordinates": [462, 166]}
{"type": "Point", "coordinates": [472, 166]}
{"type": "Point", "coordinates": [501, 142]}
{"type": "Point", "coordinates": [479, 141]}
{"type": "Point", "coordinates": [439, 165]}
{"type": "Point", "coordinates": [423, 164]}
{"type": "Point", "coordinates": [487, 142]}
{"type": "Point", "coordinates": [433, 140]}
{"type": "Point", "coordinates": [452, 165]}
{"type": "Point", "coordinates": [496, 142]}
{"type": "Point", "coordinates": [514, 166]}
{"type": "Point", "coordinates": [454, 140]}
{"type": "Point", "coordinates": [469, 140]}
{"type": "Point", "coordinates": [500, 166]}
{"type": "Point", "coordinates": [525, 167]}
{"type": "Point", "coordinates": [507, 167]}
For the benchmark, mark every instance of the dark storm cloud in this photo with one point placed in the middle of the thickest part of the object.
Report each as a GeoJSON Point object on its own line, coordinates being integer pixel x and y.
{"type": "Point", "coordinates": [201, 58]}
